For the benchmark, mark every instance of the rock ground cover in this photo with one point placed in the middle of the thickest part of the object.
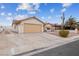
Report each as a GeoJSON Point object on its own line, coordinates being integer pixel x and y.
{"type": "Point", "coordinates": [13, 43]}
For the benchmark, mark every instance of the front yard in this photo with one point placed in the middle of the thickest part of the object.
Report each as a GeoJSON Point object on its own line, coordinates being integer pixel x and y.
{"type": "Point", "coordinates": [71, 33]}
{"type": "Point", "coordinates": [12, 43]}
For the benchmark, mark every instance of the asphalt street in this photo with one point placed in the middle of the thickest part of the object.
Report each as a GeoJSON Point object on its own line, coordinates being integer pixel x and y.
{"type": "Point", "coordinates": [70, 49]}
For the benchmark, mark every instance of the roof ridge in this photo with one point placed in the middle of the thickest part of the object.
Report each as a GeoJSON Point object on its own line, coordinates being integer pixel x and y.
{"type": "Point", "coordinates": [14, 21]}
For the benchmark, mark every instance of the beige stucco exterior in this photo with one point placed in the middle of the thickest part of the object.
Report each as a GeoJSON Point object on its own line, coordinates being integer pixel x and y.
{"type": "Point", "coordinates": [32, 27]}
{"type": "Point", "coordinates": [29, 25]}
{"type": "Point", "coordinates": [49, 27]}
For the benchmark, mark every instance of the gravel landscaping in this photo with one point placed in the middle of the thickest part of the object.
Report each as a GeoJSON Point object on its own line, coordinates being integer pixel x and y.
{"type": "Point", "coordinates": [71, 34]}
{"type": "Point", "coordinates": [13, 43]}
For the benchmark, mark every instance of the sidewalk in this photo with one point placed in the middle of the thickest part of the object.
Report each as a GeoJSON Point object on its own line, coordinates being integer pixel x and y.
{"type": "Point", "coordinates": [21, 43]}
{"type": "Point", "coordinates": [40, 51]}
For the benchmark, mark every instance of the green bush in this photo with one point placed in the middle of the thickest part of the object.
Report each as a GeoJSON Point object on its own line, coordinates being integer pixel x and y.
{"type": "Point", "coordinates": [63, 33]}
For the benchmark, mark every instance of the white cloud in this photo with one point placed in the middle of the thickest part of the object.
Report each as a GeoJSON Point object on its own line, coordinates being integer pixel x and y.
{"type": "Point", "coordinates": [58, 16]}
{"type": "Point", "coordinates": [20, 17]}
{"type": "Point", "coordinates": [2, 14]}
{"type": "Point", "coordinates": [9, 14]}
{"type": "Point", "coordinates": [49, 17]}
{"type": "Point", "coordinates": [24, 6]}
{"type": "Point", "coordinates": [66, 5]}
{"type": "Point", "coordinates": [32, 12]}
{"type": "Point", "coordinates": [63, 10]}
{"type": "Point", "coordinates": [31, 8]}
{"type": "Point", "coordinates": [9, 18]}
{"type": "Point", "coordinates": [43, 17]}
{"type": "Point", "coordinates": [2, 7]}
{"type": "Point", "coordinates": [36, 6]}
{"type": "Point", "coordinates": [52, 10]}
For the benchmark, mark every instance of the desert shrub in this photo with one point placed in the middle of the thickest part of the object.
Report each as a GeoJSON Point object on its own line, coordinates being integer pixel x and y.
{"type": "Point", "coordinates": [63, 33]}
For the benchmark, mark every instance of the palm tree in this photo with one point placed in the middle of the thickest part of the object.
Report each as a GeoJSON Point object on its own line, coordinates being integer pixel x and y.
{"type": "Point", "coordinates": [71, 23]}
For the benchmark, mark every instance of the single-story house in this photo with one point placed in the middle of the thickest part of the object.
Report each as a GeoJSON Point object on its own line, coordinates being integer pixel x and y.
{"type": "Point", "coordinates": [31, 24]}
{"type": "Point", "coordinates": [57, 26]}
{"type": "Point", "coordinates": [48, 27]}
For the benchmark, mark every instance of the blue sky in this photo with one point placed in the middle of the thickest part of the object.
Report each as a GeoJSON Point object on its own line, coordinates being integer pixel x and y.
{"type": "Point", "coordinates": [47, 12]}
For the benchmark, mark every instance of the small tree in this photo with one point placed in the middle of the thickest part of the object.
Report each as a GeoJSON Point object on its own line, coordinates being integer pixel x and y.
{"type": "Point", "coordinates": [71, 23]}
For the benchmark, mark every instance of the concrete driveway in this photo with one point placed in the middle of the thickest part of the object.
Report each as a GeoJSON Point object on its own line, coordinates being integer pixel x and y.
{"type": "Point", "coordinates": [12, 44]}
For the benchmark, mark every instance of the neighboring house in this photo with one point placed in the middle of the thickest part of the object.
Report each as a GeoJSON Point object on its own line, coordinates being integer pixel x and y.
{"type": "Point", "coordinates": [49, 27]}
{"type": "Point", "coordinates": [57, 26]}
{"type": "Point", "coordinates": [1, 28]}
{"type": "Point", "coordinates": [31, 24]}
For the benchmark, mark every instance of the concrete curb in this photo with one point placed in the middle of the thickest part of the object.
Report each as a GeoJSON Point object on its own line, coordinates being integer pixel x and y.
{"type": "Point", "coordinates": [68, 40]}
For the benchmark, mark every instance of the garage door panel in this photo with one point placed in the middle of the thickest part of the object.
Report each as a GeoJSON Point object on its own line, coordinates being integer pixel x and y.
{"type": "Point", "coordinates": [32, 28]}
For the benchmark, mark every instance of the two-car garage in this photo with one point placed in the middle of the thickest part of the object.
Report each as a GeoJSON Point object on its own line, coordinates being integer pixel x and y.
{"type": "Point", "coordinates": [31, 24]}
{"type": "Point", "coordinates": [32, 28]}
